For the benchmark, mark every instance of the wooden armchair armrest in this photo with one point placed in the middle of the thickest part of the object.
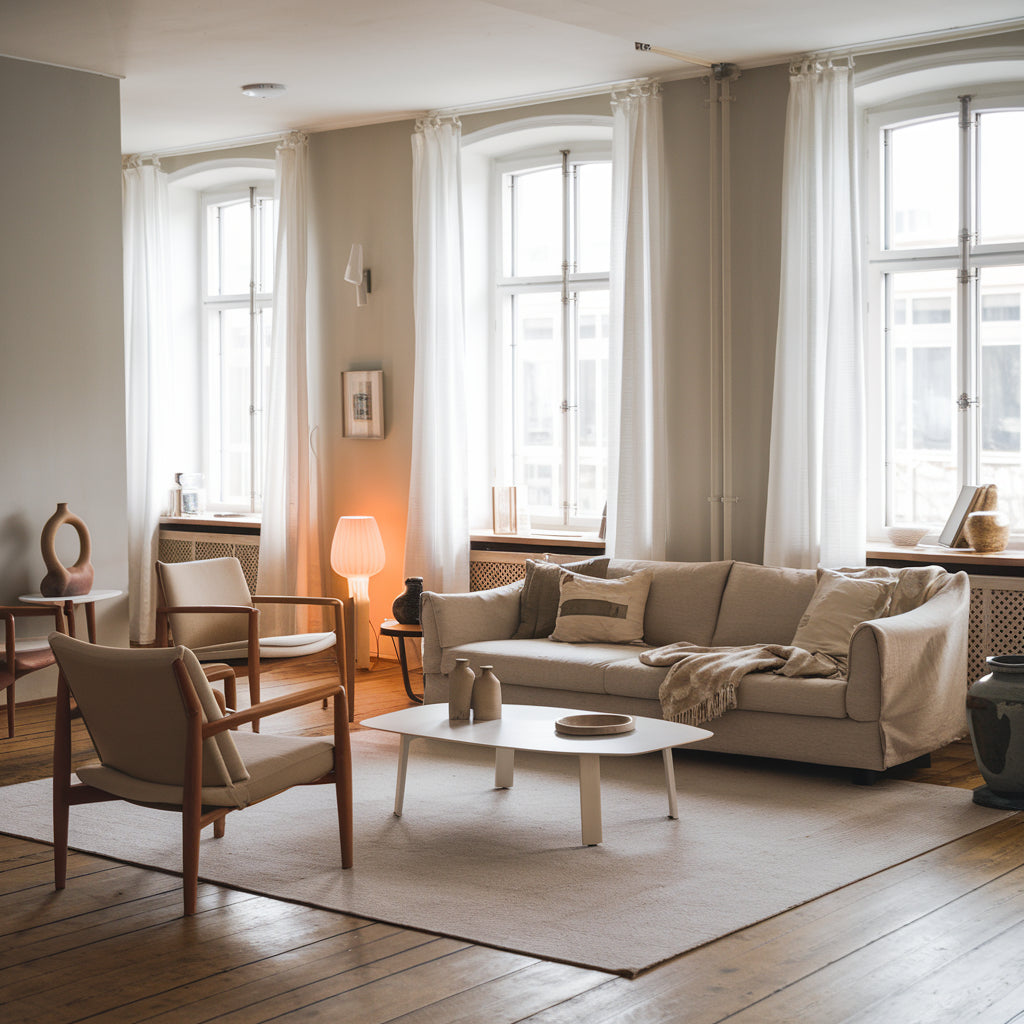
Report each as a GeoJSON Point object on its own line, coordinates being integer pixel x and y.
{"type": "Point", "coordinates": [8, 613]}
{"type": "Point", "coordinates": [216, 671]}
{"type": "Point", "coordinates": [310, 695]}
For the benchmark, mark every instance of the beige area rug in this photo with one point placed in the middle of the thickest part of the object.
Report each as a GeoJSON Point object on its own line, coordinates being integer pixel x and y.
{"type": "Point", "coordinates": [504, 867]}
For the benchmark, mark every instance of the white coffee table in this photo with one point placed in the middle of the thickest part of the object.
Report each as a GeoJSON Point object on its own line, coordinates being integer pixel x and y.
{"type": "Point", "coordinates": [524, 727]}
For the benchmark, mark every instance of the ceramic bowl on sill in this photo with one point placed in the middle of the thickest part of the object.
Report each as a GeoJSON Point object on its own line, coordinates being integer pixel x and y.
{"type": "Point", "coordinates": [906, 535]}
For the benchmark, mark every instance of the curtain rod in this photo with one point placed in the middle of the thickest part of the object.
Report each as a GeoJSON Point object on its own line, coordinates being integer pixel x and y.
{"type": "Point", "coordinates": [211, 147]}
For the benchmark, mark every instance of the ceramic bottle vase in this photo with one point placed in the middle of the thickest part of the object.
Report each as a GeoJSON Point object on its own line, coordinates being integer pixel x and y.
{"type": "Point", "coordinates": [486, 696]}
{"type": "Point", "coordinates": [460, 691]}
{"type": "Point", "coordinates": [995, 716]}
{"type": "Point", "coordinates": [406, 607]}
{"type": "Point", "coordinates": [59, 581]}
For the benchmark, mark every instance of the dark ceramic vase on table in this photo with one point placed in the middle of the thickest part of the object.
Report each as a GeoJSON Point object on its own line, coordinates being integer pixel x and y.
{"type": "Point", "coordinates": [995, 716]}
{"type": "Point", "coordinates": [406, 607]}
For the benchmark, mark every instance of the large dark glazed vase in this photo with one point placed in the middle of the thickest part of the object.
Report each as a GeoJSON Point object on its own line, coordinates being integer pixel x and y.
{"type": "Point", "coordinates": [995, 716]}
{"type": "Point", "coordinates": [406, 607]}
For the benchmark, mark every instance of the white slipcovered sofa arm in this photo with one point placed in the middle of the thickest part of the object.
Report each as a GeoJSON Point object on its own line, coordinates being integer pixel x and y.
{"type": "Point", "coordinates": [451, 619]}
{"type": "Point", "coordinates": [909, 672]}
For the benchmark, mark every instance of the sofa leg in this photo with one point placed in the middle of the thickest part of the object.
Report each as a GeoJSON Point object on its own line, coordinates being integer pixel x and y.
{"type": "Point", "coordinates": [865, 776]}
{"type": "Point", "coordinates": [868, 777]}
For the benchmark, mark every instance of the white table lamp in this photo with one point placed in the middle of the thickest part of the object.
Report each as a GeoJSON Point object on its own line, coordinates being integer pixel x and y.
{"type": "Point", "coordinates": [357, 553]}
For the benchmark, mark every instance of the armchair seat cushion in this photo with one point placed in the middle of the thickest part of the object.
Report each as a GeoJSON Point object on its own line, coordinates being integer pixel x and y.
{"type": "Point", "coordinates": [297, 646]}
{"type": "Point", "coordinates": [274, 763]}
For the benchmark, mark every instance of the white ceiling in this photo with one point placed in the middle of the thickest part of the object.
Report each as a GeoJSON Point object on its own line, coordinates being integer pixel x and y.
{"type": "Point", "coordinates": [183, 61]}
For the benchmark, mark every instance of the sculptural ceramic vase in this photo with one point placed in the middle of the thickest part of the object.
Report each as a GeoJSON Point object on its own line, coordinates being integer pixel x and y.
{"type": "Point", "coordinates": [406, 607]}
{"type": "Point", "coordinates": [59, 581]}
{"type": "Point", "coordinates": [995, 716]}
{"type": "Point", "coordinates": [460, 691]}
{"type": "Point", "coordinates": [486, 696]}
{"type": "Point", "coordinates": [987, 531]}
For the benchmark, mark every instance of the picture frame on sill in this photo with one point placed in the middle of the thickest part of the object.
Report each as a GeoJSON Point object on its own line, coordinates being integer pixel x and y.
{"type": "Point", "coordinates": [362, 404]}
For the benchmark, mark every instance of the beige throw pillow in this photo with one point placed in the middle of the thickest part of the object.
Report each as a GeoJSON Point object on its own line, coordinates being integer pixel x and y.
{"type": "Point", "coordinates": [602, 611]}
{"type": "Point", "coordinates": [538, 603]}
{"type": "Point", "coordinates": [839, 605]}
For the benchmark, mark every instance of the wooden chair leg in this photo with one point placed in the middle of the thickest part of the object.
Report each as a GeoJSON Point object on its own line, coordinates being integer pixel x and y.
{"type": "Point", "coordinates": [343, 780]}
{"type": "Point", "coordinates": [190, 862]}
{"type": "Point", "coordinates": [10, 711]}
{"type": "Point", "coordinates": [60, 839]}
{"type": "Point", "coordinates": [218, 827]}
{"type": "Point", "coordinates": [61, 781]}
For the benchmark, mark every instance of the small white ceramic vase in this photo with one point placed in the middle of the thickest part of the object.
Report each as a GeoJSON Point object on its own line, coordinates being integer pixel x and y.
{"type": "Point", "coordinates": [486, 696]}
{"type": "Point", "coordinates": [460, 691]}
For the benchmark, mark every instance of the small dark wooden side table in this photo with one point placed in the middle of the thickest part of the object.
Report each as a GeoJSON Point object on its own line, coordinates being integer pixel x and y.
{"type": "Point", "coordinates": [390, 627]}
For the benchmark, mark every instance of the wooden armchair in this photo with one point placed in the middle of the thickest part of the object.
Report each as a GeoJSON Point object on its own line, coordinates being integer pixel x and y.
{"type": "Point", "coordinates": [19, 657]}
{"type": "Point", "coordinates": [163, 741]}
{"type": "Point", "coordinates": [206, 606]}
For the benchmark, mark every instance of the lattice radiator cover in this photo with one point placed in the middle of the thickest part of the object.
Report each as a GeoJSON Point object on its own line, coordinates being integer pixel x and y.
{"type": "Point", "coordinates": [174, 546]}
{"type": "Point", "coordinates": [996, 617]}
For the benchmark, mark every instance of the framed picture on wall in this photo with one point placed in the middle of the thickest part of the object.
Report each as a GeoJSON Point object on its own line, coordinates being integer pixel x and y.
{"type": "Point", "coordinates": [362, 404]}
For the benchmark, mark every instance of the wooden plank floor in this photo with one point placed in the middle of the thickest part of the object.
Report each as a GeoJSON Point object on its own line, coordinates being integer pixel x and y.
{"type": "Point", "coordinates": [937, 938]}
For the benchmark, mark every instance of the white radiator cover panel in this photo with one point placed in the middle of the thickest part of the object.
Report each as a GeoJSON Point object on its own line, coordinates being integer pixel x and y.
{"type": "Point", "coordinates": [175, 546]}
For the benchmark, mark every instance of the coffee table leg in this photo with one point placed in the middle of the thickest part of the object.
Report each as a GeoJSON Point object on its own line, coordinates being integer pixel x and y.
{"type": "Point", "coordinates": [590, 798]}
{"type": "Point", "coordinates": [670, 783]}
{"type": "Point", "coordinates": [504, 764]}
{"type": "Point", "coordinates": [403, 766]}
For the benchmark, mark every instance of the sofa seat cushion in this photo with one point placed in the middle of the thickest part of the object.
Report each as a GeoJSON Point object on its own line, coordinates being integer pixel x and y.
{"type": "Point", "coordinates": [543, 663]}
{"type": "Point", "coordinates": [759, 691]}
{"type": "Point", "coordinates": [816, 698]}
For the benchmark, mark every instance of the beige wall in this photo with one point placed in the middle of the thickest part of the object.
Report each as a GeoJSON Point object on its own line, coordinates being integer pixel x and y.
{"type": "Point", "coordinates": [61, 314]}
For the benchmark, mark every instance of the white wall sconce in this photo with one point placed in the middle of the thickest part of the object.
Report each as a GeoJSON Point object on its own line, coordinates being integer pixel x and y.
{"type": "Point", "coordinates": [357, 275]}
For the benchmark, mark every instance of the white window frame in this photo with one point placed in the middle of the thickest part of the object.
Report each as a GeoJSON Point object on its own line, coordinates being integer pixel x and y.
{"type": "Point", "coordinates": [878, 260]}
{"type": "Point", "coordinates": [257, 302]}
{"type": "Point", "coordinates": [502, 287]}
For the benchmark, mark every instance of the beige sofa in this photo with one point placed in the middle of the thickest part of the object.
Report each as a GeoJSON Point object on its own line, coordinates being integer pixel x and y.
{"type": "Point", "coordinates": [903, 695]}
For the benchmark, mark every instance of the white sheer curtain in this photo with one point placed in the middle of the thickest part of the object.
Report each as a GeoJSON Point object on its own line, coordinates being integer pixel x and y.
{"type": "Point", "coordinates": [637, 459]}
{"type": "Point", "coordinates": [290, 531]}
{"type": "Point", "coordinates": [816, 490]}
{"type": "Point", "coordinates": [437, 533]}
{"type": "Point", "coordinates": [146, 264]}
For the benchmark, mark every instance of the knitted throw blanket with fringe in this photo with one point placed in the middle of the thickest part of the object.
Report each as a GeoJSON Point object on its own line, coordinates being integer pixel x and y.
{"type": "Point", "coordinates": [701, 681]}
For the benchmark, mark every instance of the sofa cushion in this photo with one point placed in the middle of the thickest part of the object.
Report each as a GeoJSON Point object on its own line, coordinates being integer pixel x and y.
{"type": "Point", "coordinates": [538, 603]}
{"type": "Point", "coordinates": [762, 605]}
{"type": "Point", "coordinates": [818, 698]}
{"type": "Point", "coordinates": [759, 691]}
{"type": "Point", "coordinates": [683, 601]}
{"type": "Point", "coordinates": [542, 663]}
{"type": "Point", "coordinates": [602, 611]}
{"type": "Point", "coordinates": [839, 605]}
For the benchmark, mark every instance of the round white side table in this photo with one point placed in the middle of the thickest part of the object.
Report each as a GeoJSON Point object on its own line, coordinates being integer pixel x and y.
{"type": "Point", "coordinates": [69, 602]}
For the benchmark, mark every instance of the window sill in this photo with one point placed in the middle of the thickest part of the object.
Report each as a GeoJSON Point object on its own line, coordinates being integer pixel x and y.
{"type": "Point", "coordinates": [537, 542]}
{"type": "Point", "coordinates": [228, 522]}
{"type": "Point", "coordinates": [937, 554]}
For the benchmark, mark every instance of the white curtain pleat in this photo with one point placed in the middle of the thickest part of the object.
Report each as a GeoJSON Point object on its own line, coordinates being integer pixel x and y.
{"type": "Point", "coordinates": [290, 534]}
{"type": "Point", "coordinates": [437, 533]}
{"type": "Point", "coordinates": [816, 487]}
{"type": "Point", "coordinates": [146, 271]}
{"type": "Point", "coordinates": [637, 455]}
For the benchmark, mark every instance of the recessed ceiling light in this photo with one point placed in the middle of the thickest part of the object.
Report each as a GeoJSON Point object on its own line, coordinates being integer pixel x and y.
{"type": "Point", "coordinates": [263, 90]}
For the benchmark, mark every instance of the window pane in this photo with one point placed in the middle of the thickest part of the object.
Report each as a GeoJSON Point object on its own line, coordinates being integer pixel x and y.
{"type": "Point", "coordinates": [592, 403]}
{"type": "Point", "coordinates": [924, 197]}
{"type": "Point", "coordinates": [594, 185]}
{"type": "Point", "coordinates": [921, 400]}
{"type": "Point", "coordinates": [537, 229]}
{"type": "Point", "coordinates": [232, 256]}
{"type": "Point", "coordinates": [1000, 192]}
{"type": "Point", "coordinates": [266, 240]}
{"type": "Point", "coordinates": [1000, 291]}
{"type": "Point", "coordinates": [230, 405]}
{"type": "Point", "coordinates": [537, 331]}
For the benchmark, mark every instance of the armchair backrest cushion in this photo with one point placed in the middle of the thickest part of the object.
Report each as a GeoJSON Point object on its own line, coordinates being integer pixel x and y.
{"type": "Point", "coordinates": [205, 582]}
{"type": "Point", "coordinates": [134, 711]}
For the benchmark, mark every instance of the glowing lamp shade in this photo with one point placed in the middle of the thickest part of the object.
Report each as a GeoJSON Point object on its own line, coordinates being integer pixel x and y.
{"type": "Point", "coordinates": [357, 549]}
{"type": "Point", "coordinates": [357, 553]}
